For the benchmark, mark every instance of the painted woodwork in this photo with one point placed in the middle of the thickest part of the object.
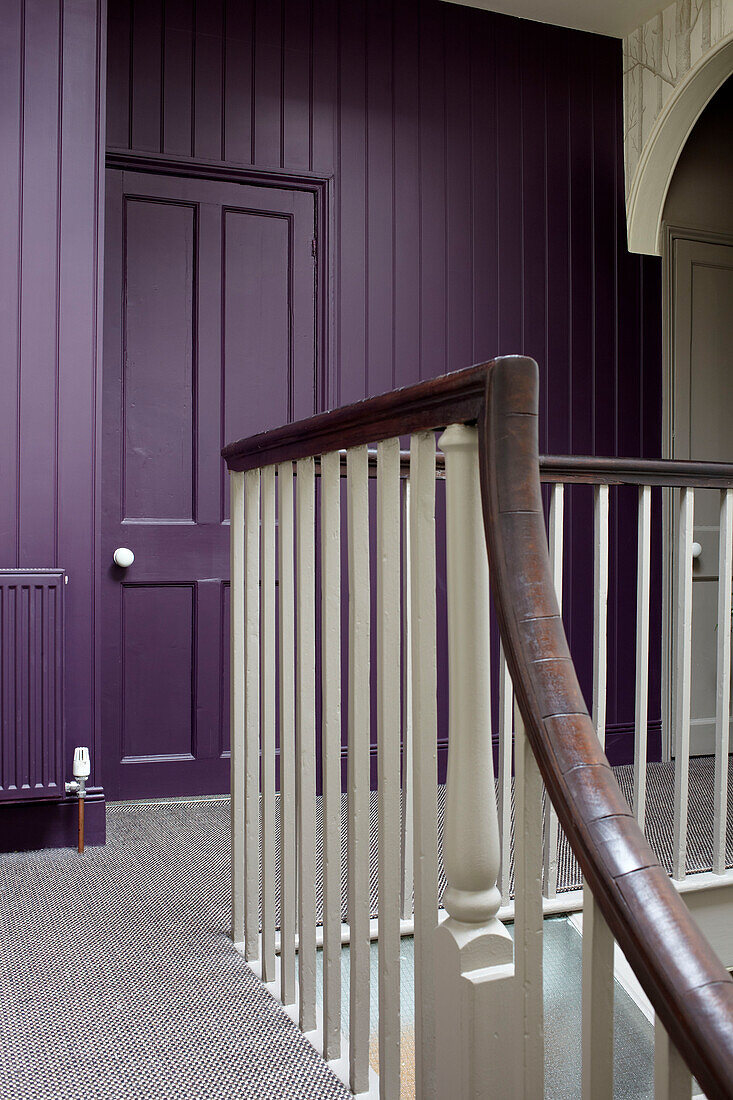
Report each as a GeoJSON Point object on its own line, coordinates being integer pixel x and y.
{"type": "Point", "coordinates": [209, 322]}
{"type": "Point", "coordinates": [51, 126]}
{"type": "Point", "coordinates": [476, 206]}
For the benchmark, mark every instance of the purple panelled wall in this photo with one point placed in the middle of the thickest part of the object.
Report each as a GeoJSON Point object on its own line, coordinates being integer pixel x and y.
{"type": "Point", "coordinates": [477, 209]}
{"type": "Point", "coordinates": [50, 129]}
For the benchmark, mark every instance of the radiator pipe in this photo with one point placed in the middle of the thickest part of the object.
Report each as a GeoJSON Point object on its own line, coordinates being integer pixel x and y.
{"type": "Point", "coordinates": [78, 786]}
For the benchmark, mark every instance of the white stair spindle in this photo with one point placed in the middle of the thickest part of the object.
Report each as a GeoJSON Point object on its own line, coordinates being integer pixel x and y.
{"type": "Point", "coordinates": [672, 1078]}
{"type": "Point", "coordinates": [683, 670]}
{"type": "Point", "coordinates": [407, 807]}
{"type": "Point", "coordinates": [557, 509]}
{"type": "Point", "coordinates": [600, 608]}
{"type": "Point", "coordinates": [425, 756]}
{"type": "Point", "coordinates": [722, 701]}
{"type": "Point", "coordinates": [528, 927]}
{"type": "Point", "coordinates": [597, 1027]}
{"type": "Point", "coordinates": [358, 766]}
{"type": "Point", "coordinates": [475, 1033]}
{"type": "Point", "coordinates": [286, 609]}
{"type": "Point", "coordinates": [267, 702]}
{"type": "Point", "coordinates": [388, 761]}
{"type": "Point", "coordinates": [643, 573]}
{"type": "Point", "coordinates": [506, 734]}
{"type": "Point", "coordinates": [306, 741]}
{"type": "Point", "coordinates": [331, 748]}
{"type": "Point", "coordinates": [236, 707]}
{"type": "Point", "coordinates": [252, 712]}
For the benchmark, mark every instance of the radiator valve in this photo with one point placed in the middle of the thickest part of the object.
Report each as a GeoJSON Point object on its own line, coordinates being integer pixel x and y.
{"type": "Point", "coordinates": [81, 770]}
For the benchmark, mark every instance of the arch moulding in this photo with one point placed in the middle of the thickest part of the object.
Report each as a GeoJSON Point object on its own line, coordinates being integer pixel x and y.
{"type": "Point", "coordinates": [673, 66]}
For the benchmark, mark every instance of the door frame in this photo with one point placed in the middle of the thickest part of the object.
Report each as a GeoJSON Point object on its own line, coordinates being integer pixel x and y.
{"type": "Point", "coordinates": [671, 233]}
{"type": "Point", "coordinates": [322, 189]}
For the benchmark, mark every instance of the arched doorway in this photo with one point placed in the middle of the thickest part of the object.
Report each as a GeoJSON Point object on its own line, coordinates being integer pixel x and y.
{"type": "Point", "coordinates": [697, 248]}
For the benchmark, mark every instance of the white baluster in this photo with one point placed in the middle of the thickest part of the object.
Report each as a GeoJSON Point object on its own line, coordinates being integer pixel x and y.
{"type": "Point", "coordinates": [672, 1078]}
{"type": "Point", "coordinates": [358, 766]}
{"type": "Point", "coordinates": [331, 748]}
{"type": "Point", "coordinates": [287, 730]}
{"type": "Point", "coordinates": [236, 705]}
{"type": "Point", "coordinates": [557, 501]}
{"type": "Point", "coordinates": [407, 807]}
{"type": "Point", "coordinates": [528, 927]}
{"type": "Point", "coordinates": [473, 951]}
{"type": "Point", "coordinates": [722, 700]}
{"type": "Point", "coordinates": [506, 734]}
{"type": "Point", "coordinates": [597, 1028]}
{"type": "Point", "coordinates": [643, 573]}
{"type": "Point", "coordinates": [252, 712]}
{"type": "Point", "coordinates": [388, 733]}
{"type": "Point", "coordinates": [683, 669]}
{"type": "Point", "coordinates": [267, 702]}
{"type": "Point", "coordinates": [305, 717]}
{"type": "Point", "coordinates": [425, 756]}
{"type": "Point", "coordinates": [600, 608]}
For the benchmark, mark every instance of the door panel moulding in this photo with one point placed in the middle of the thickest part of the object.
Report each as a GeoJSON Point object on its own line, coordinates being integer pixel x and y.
{"type": "Point", "coordinates": [322, 188]}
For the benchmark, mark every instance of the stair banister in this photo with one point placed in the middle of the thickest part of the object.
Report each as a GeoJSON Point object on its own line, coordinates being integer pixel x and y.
{"type": "Point", "coordinates": [474, 953]}
{"type": "Point", "coordinates": [685, 981]}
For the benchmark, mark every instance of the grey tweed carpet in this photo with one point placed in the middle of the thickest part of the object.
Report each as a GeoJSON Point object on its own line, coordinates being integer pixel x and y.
{"type": "Point", "coordinates": [118, 979]}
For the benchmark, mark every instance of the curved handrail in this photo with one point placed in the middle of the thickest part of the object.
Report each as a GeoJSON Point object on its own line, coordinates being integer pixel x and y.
{"type": "Point", "coordinates": [680, 973]}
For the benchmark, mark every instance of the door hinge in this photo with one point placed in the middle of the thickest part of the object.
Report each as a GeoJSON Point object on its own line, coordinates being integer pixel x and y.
{"type": "Point", "coordinates": [314, 248]}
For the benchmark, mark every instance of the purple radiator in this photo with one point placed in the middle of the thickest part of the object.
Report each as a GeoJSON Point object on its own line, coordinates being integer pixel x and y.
{"type": "Point", "coordinates": [31, 683]}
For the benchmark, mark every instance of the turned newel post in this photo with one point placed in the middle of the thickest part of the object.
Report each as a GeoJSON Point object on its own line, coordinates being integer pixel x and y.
{"type": "Point", "coordinates": [471, 852]}
{"type": "Point", "coordinates": [474, 952]}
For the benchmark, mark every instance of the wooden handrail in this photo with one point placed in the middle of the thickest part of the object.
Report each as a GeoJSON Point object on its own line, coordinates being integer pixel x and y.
{"type": "Point", "coordinates": [685, 981]}
{"type": "Point", "coordinates": [453, 398]}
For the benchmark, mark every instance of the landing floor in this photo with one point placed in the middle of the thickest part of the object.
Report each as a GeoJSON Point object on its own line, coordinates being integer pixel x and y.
{"type": "Point", "coordinates": [119, 981]}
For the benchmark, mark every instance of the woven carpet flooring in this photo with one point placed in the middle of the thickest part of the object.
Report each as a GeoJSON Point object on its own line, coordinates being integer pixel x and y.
{"type": "Point", "coordinates": [118, 979]}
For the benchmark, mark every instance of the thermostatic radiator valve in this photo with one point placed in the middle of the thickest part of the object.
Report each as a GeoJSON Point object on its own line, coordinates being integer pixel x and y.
{"type": "Point", "coordinates": [81, 769]}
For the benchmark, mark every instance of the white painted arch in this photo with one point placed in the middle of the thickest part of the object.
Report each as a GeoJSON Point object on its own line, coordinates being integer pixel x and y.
{"type": "Point", "coordinates": [653, 175]}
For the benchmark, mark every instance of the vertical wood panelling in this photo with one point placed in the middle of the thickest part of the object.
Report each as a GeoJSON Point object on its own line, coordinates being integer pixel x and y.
{"type": "Point", "coordinates": [477, 185]}
{"type": "Point", "coordinates": [296, 76]}
{"type": "Point", "coordinates": [50, 60]}
{"type": "Point", "coordinates": [178, 46]}
{"type": "Point", "coordinates": [509, 198]}
{"type": "Point", "coordinates": [379, 196]}
{"type": "Point", "coordinates": [146, 71]}
{"type": "Point", "coordinates": [267, 94]}
{"type": "Point", "coordinates": [433, 200]}
{"type": "Point", "coordinates": [237, 90]}
{"type": "Point", "coordinates": [477, 204]}
{"type": "Point", "coordinates": [208, 63]}
{"type": "Point", "coordinates": [484, 187]}
{"type": "Point", "coordinates": [11, 180]}
{"type": "Point", "coordinates": [39, 288]}
{"type": "Point", "coordinates": [351, 231]}
{"type": "Point", "coordinates": [459, 195]}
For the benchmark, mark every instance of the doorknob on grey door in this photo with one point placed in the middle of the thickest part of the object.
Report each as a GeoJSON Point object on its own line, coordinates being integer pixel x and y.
{"type": "Point", "coordinates": [123, 557]}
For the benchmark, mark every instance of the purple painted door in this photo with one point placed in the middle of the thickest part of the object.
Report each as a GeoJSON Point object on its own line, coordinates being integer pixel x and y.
{"type": "Point", "coordinates": [209, 336]}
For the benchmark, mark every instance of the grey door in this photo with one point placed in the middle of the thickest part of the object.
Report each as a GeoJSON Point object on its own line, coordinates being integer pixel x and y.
{"type": "Point", "coordinates": [209, 336]}
{"type": "Point", "coordinates": [702, 346]}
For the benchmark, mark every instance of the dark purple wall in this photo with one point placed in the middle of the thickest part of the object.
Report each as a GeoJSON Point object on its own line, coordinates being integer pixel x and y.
{"type": "Point", "coordinates": [50, 121]}
{"type": "Point", "coordinates": [477, 208]}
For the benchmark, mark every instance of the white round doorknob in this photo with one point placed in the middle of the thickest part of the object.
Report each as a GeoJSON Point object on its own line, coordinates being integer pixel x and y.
{"type": "Point", "coordinates": [123, 557]}
{"type": "Point", "coordinates": [696, 549]}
